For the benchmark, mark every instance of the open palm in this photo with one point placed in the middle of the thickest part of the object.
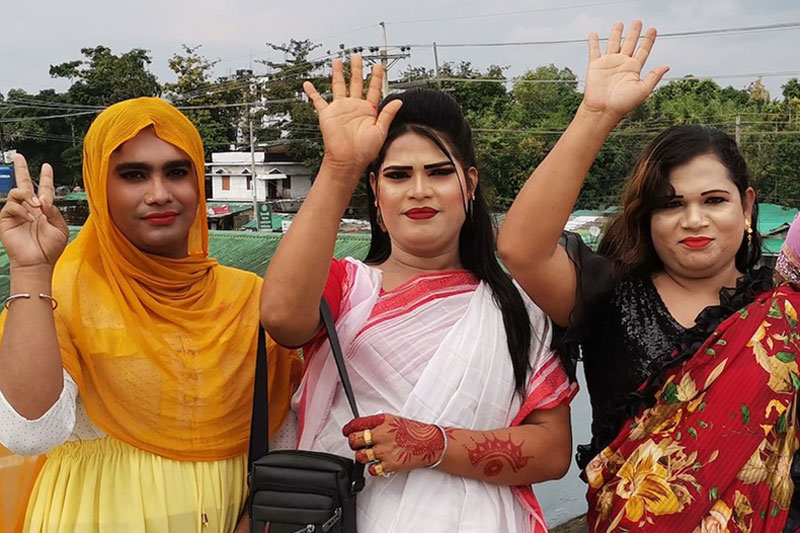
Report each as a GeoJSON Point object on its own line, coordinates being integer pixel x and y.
{"type": "Point", "coordinates": [352, 129]}
{"type": "Point", "coordinates": [613, 81]}
{"type": "Point", "coordinates": [32, 229]}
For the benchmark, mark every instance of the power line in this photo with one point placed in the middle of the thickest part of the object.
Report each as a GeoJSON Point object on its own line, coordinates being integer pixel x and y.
{"type": "Point", "coordinates": [668, 35]}
{"type": "Point", "coordinates": [522, 80]}
{"type": "Point", "coordinates": [507, 13]}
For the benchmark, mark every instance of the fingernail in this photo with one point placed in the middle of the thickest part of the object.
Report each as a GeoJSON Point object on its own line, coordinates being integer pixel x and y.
{"type": "Point", "coordinates": [35, 201]}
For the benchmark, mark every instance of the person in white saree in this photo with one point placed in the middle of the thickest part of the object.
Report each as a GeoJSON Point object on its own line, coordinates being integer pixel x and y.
{"type": "Point", "coordinates": [468, 406]}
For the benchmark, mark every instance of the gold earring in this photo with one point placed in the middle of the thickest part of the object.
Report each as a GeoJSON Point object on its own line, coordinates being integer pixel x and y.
{"type": "Point", "coordinates": [379, 220]}
{"type": "Point", "coordinates": [748, 228]}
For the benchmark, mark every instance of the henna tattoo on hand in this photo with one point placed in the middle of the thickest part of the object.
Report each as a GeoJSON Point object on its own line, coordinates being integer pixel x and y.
{"type": "Point", "coordinates": [360, 424]}
{"type": "Point", "coordinates": [494, 453]}
{"type": "Point", "coordinates": [416, 439]}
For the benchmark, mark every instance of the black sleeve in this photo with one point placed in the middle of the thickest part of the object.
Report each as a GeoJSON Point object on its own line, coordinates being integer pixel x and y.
{"type": "Point", "coordinates": [595, 281]}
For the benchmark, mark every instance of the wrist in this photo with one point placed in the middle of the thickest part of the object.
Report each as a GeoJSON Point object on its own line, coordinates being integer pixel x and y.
{"type": "Point", "coordinates": [38, 274]}
{"type": "Point", "coordinates": [445, 444]}
{"type": "Point", "coordinates": [600, 118]}
{"type": "Point", "coordinates": [341, 171]}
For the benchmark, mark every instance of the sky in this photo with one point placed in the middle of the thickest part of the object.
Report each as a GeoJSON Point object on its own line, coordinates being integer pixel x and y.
{"type": "Point", "coordinates": [34, 36]}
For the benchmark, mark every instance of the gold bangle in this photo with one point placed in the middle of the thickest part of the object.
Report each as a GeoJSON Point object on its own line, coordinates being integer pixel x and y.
{"type": "Point", "coordinates": [27, 296]}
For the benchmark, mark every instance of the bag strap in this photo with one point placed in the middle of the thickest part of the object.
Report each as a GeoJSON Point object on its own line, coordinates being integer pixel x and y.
{"type": "Point", "coordinates": [338, 356]}
{"type": "Point", "coordinates": [259, 429]}
{"type": "Point", "coordinates": [259, 426]}
{"type": "Point", "coordinates": [327, 321]}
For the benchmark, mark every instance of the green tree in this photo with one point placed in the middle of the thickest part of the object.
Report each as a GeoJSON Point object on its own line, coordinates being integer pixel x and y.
{"type": "Point", "coordinates": [212, 104]}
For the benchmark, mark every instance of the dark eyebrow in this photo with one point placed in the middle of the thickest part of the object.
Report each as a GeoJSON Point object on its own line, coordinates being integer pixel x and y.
{"type": "Point", "coordinates": [397, 167]}
{"type": "Point", "coordinates": [126, 167]}
{"type": "Point", "coordinates": [713, 191]}
{"type": "Point", "coordinates": [147, 167]}
{"type": "Point", "coordinates": [438, 165]}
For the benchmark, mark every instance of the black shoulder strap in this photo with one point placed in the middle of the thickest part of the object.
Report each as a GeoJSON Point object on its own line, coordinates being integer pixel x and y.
{"type": "Point", "coordinates": [259, 429]}
{"type": "Point", "coordinates": [338, 356]}
{"type": "Point", "coordinates": [259, 425]}
{"type": "Point", "coordinates": [327, 321]}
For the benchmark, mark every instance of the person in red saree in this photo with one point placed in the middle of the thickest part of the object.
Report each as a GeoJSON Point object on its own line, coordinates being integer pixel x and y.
{"type": "Point", "coordinates": [714, 452]}
{"type": "Point", "coordinates": [658, 474]}
{"type": "Point", "coordinates": [707, 443]}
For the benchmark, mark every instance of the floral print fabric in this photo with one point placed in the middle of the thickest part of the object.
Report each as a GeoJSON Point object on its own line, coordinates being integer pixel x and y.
{"type": "Point", "coordinates": [714, 452]}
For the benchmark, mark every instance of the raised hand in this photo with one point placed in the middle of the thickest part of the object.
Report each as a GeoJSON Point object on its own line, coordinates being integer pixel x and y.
{"type": "Point", "coordinates": [32, 230]}
{"type": "Point", "coordinates": [614, 85]}
{"type": "Point", "coordinates": [352, 130]}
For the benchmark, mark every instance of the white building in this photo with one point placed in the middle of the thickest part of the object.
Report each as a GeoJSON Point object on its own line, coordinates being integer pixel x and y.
{"type": "Point", "coordinates": [232, 179]}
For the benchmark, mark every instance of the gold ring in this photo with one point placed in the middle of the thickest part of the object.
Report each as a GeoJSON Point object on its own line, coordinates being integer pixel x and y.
{"type": "Point", "coordinates": [370, 454]}
{"type": "Point", "coordinates": [378, 469]}
{"type": "Point", "coordinates": [367, 437]}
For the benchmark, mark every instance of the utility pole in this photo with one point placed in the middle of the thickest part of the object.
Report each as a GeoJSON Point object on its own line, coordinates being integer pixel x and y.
{"type": "Point", "coordinates": [254, 180]}
{"type": "Point", "coordinates": [382, 54]}
{"type": "Point", "coordinates": [738, 129]}
{"type": "Point", "coordinates": [385, 61]}
{"type": "Point", "coordinates": [253, 168]}
{"type": "Point", "coordinates": [436, 66]}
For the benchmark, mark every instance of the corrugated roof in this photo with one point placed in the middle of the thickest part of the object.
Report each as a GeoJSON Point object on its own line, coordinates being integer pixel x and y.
{"type": "Point", "coordinates": [773, 217]}
{"type": "Point", "coordinates": [240, 249]}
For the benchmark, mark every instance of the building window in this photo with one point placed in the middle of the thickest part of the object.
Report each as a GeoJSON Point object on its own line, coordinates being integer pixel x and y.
{"type": "Point", "coordinates": [249, 182]}
{"type": "Point", "coordinates": [226, 183]}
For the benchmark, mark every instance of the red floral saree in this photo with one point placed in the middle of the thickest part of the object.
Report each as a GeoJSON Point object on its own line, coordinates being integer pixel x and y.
{"type": "Point", "coordinates": [714, 452]}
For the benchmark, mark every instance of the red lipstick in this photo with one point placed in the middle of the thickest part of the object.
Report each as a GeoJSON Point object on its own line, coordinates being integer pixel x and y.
{"type": "Point", "coordinates": [697, 243]}
{"type": "Point", "coordinates": [421, 213]}
{"type": "Point", "coordinates": [161, 218]}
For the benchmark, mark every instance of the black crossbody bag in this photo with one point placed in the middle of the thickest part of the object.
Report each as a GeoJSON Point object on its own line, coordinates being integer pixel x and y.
{"type": "Point", "coordinates": [297, 491]}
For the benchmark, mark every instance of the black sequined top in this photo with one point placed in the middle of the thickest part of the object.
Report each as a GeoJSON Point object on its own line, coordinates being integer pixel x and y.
{"type": "Point", "coordinates": [625, 335]}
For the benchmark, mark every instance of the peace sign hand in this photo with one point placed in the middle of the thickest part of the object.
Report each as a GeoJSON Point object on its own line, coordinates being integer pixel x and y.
{"type": "Point", "coordinates": [352, 130]}
{"type": "Point", "coordinates": [32, 229]}
{"type": "Point", "coordinates": [613, 83]}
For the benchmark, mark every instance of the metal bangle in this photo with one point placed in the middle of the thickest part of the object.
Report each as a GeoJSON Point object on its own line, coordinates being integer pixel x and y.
{"type": "Point", "coordinates": [444, 450]}
{"type": "Point", "coordinates": [53, 301]}
{"type": "Point", "coordinates": [27, 296]}
{"type": "Point", "coordinates": [13, 297]}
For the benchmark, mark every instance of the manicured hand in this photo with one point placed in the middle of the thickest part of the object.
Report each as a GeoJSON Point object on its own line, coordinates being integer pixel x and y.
{"type": "Point", "coordinates": [613, 81]}
{"type": "Point", "coordinates": [32, 229]}
{"type": "Point", "coordinates": [352, 130]}
{"type": "Point", "coordinates": [397, 444]}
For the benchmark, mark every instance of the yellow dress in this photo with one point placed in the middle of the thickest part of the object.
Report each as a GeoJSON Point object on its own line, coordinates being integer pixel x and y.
{"type": "Point", "coordinates": [104, 485]}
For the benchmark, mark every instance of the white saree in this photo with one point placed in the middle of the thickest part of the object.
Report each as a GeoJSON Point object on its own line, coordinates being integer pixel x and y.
{"type": "Point", "coordinates": [433, 350]}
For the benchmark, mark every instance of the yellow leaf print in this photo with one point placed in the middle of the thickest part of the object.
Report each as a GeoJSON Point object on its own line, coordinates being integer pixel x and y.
{"type": "Point", "coordinates": [780, 379]}
{"type": "Point", "coordinates": [758, 335]}
{"type": "Point", "coordinates": [687, 389]}
{"type": "Point", "coordinates": [791, 312]}
{"type": "Point", "coordinates": [779, 465]}
{"type": "Point", "coordinates": [775, 404]}
{"type": "Point", "coordinates": [754, 471]}
{"type": "Point", "coordinates": [712, 377]}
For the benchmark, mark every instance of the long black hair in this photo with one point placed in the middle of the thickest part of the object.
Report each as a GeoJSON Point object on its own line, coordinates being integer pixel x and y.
{"type": "Point", "coordinates": [438, 117]}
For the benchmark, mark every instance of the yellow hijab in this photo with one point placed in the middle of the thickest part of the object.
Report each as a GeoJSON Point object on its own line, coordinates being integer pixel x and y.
{"type": "Point", "coordinates": [163, 350]}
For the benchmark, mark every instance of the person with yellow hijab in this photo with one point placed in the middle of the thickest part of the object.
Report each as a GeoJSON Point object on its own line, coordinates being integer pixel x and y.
{"type": "Point", "coordinates": [127, 357]}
